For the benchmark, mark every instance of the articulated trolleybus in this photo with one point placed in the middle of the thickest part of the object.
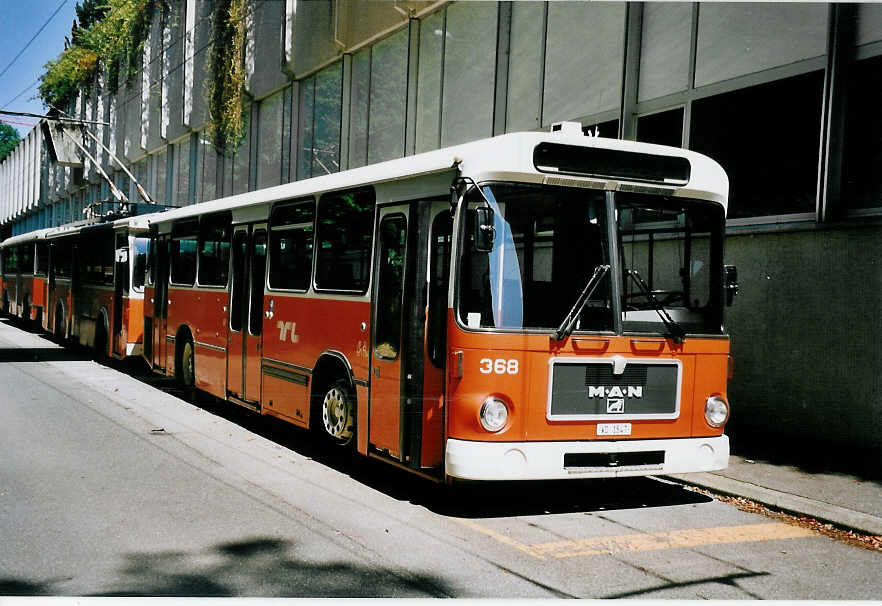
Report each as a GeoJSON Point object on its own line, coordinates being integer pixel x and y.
{"type": "Point", "coordinates": [530, 306]}
{"type": "Point", "coordinates": [81, 282]}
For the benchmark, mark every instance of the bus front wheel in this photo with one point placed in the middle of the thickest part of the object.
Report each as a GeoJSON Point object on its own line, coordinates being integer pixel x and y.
{"type": "Point", "coordinates": [338, 412]}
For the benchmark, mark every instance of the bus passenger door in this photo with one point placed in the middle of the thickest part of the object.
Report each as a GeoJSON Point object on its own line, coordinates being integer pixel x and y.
{"type": "Point", "coordinates": [387, 355]}
{"type": "Point", "coordinates": [160, 302]}
{"type": "Point", "coordinates": [408, 344]}
{"type": "Point", "coordinates": [248, 267]}
{"type": "Point", "coordinates": [120, 290]}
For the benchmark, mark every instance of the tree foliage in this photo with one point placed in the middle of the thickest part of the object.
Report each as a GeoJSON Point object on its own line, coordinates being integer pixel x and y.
{"type": "Point", "coordinates": [9, 138]}
{"type": "Point", "coordinates": [110, 34]}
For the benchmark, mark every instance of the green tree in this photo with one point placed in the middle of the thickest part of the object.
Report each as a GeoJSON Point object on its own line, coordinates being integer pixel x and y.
{"type": "Point", "coordinates": [8, 140]}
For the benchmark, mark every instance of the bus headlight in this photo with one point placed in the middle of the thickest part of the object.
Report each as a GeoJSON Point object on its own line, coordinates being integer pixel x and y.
{"type": "Point", "coordinates": [494, 414]}
{"type": "Point", "coordinates": [716, 411]}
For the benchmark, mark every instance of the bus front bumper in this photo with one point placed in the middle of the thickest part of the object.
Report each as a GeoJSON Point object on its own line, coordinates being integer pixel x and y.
{"type": "Point", "coordinates": [594, 459]}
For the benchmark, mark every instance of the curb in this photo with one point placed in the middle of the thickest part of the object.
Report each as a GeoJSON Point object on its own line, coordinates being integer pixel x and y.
{"type": "Point", "coordinates": [841, 516]}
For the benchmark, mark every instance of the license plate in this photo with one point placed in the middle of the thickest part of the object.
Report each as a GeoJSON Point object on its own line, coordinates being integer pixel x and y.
{"type": "Point", "coordinates": [614, 429]}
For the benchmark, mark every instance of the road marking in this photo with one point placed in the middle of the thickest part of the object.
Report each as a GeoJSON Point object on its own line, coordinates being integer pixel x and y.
{"type": "Point", "coordinates": [677, 539]}
{"type": "Point", "coordinates": [501, 538]}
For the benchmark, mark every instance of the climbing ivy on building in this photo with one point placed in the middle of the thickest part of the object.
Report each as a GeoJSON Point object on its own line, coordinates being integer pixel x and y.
{"type": "Point", "coordinates": [110, 36]}
{"type": "Point", "coordinates": [226, 87]}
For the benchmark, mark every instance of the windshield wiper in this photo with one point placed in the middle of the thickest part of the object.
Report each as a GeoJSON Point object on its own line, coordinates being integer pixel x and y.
{"type": "Point", "coordinates": [566, 327]}
{"type": "Point", "coordinates": [675, 331]}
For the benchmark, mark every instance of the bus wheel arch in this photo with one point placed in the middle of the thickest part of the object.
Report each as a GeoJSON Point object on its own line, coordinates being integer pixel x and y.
{"type": "Point", "coordinates": [185, 357]}
{"type": "Point", "coordinates": [334, 406]}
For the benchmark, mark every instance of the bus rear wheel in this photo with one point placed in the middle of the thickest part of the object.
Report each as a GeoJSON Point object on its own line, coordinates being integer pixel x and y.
{"type": "Point", "coordinates": [59, 322]}
{"type": "Point", "coordinates": [338, 412]}
{"type": "Point", "coordinates": [187, 372]}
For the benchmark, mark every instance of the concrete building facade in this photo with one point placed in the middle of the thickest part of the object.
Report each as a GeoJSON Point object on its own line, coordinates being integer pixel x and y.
{"type": "Point", "coordinates": [785, 96]}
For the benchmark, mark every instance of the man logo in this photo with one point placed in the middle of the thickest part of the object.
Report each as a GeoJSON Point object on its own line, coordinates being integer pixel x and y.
{"type": "Point", "coordinates": [615, 405]}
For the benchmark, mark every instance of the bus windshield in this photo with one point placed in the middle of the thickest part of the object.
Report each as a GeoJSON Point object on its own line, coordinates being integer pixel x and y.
{"type": "Point", "coordinates": [548, 242]}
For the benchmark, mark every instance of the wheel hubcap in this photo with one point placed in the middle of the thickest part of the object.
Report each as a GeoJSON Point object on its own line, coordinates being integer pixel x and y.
{"type": "Point", "coordinates": [336, 415]}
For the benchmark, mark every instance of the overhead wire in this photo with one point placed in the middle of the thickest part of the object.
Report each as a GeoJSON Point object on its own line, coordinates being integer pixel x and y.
{"type": "Point", "coordinates": [34, 37]}
{"type": "Point", "coordinates": [15, 98]}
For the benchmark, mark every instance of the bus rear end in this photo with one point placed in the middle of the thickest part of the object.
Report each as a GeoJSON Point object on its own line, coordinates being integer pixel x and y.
{"type": "Point", "coordinates": [586, 332]}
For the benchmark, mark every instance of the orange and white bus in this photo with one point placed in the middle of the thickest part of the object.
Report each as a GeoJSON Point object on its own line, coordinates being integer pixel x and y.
{"type": "Point", "coordinates": [23, 271]}
{"type": "Point", "coordinates": [530, 306]}
{"type": "Point", "coordinates": [82, 281]}
{"type": "Point", "coordinates": [95, 290]}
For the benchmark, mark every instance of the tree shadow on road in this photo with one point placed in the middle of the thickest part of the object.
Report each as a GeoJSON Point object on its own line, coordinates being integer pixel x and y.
{"type": "Point", "coordinates": [260, 567]}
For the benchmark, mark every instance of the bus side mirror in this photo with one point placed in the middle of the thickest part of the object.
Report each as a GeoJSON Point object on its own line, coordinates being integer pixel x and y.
{"type": "Point", "coordinates": [485, 233]}
{"type": "Point", "coordinates": [731, 277]}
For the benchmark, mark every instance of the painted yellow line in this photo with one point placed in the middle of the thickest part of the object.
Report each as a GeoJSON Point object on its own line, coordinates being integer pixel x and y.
{"type": "Point", "coordinates": [501, 538]}
{"type": "Point", "coordinates": [693, 537]}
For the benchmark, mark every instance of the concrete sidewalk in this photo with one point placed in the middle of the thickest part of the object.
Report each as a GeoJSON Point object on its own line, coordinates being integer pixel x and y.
{"type": "Point", "coordinates": [838, 498]}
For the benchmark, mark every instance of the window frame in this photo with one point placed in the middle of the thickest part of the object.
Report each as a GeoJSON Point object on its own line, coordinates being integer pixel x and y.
{"type": "Point", "coordinates": [371, 192]}
{"type": "Point", "coordinates": [182, 230]}
{"type": "Point", "coordinates": [272, 228]}
{"type": "Point", "coordinates": [226, 218]}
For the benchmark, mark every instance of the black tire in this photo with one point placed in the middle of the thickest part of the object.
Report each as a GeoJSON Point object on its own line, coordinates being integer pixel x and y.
{"type": "Point", "coordinates": [186, 371]}
{"type": "Point", "coordinates": [59, 323]}
{"type": "Point", "coordinates": [100, 344]}
{"type": "Point", "coordinates": [336, 412]}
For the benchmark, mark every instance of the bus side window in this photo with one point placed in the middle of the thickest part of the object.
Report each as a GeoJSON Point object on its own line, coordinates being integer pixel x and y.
{"type": "Point", "coordinates": [139, 264]}
{"type": "Point", "coordinates": [291, 246]}
{"type": "Point", "coordinates": [439, 277]}
{"type": "Point", "coordinates": [183, 253]}
{"type": "Point", "coordinates": [257, 276]}
{"type": "Point", "coordinates": [214, 249]}
{"type": "Point", "coordinates": [345, 238]}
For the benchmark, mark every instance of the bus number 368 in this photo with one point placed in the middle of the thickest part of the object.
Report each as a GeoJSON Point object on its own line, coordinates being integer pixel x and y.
{"type": "Point", "coordinates": [498, 366]}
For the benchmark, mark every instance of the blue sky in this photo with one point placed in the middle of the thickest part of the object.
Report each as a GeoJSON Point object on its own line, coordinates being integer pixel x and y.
{"type": "Point", "coordinates": [19, 21]}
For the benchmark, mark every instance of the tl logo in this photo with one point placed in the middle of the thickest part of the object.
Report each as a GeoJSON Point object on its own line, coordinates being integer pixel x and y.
{"type": "Point", "coordinates": [286, 330]}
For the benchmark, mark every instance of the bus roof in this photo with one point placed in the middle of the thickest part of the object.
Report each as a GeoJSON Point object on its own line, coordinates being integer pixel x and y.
{"type": "Point", "coordinates": [505, 157]}
{"type": "Point", "coordinates": [30, 236]}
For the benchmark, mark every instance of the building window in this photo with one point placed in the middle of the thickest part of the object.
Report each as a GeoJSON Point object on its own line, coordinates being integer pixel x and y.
{"type": "Point", "coordinates": [766, 138]}
{"type": "Point", "coordinates": [663, 128]}
{"type": "Point", "coordinates": [664, 54]}
{"type": "Point", "coordinates": [182, 173]}
{"type": "Point", "coordinates": [428, 114]}
{"type": "Point", "coordinates": [737, 38]}
{"type": "Point", "coordinates": [269, 141]}
{"type": "Point", "coordinates": [388, 98]}
{"type": "Point", "coordinates": [208, 168]}
{"type": "Point", "coordinates": [583, 61]}
{"type": "Point", "coordinates": [321, 105]}
{"type": "Point", "coordinates": [242, 159]}
{"type": "Point", "coordinates": [862, 153]}
{"type": "Point", "coordinates": [525, 66]}
{"type": "Point", "coordinates": [469, 72]}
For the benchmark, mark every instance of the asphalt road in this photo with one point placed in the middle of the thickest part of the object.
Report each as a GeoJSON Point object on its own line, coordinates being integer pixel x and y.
{"type": "Point", "coordinates": [110, 484]}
